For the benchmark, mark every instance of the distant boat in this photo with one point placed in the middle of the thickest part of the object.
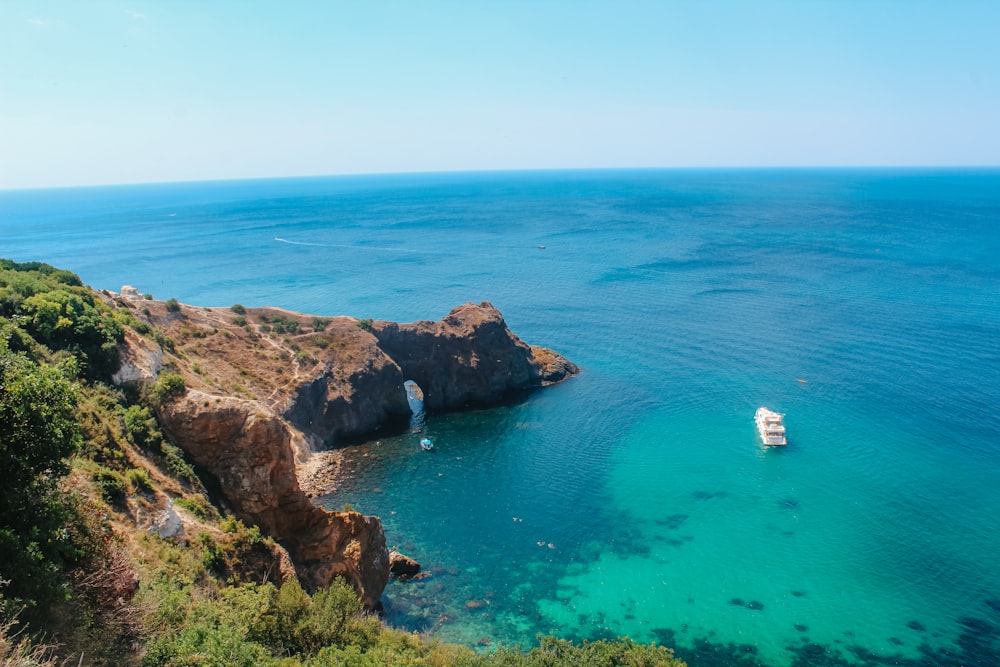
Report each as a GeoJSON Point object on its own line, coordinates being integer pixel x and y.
{"type": "Point", "coordinates": [772, 431]}
{"type": "Point", "coordinates": [427, 444]}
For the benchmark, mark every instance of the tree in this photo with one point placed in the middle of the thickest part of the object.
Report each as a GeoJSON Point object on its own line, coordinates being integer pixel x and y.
{"type": "Point", "coordinates": [37, 433]}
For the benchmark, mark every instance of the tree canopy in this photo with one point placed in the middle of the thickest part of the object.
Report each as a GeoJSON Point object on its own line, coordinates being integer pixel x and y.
{"type": "Point", "coordinates": [38, 431]}
{"type": "Point", "coordinates": [53, 308]}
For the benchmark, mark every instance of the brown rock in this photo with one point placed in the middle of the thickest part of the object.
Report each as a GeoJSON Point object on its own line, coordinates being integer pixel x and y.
{"type": "Point", "coordinates": [352, 395]}
{"type": "Point", "coordinates": [318, 382]}
{"type": "Point", "coordinates": [468, 358]}
{"type": "Point", "coordinates": [402, 566]}
{"type": "Point", "coordinates": [248, 449]}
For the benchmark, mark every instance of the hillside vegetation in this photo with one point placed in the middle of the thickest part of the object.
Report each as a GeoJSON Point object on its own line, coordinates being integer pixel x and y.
{"type": "Point", "coordinates": [112, 551]}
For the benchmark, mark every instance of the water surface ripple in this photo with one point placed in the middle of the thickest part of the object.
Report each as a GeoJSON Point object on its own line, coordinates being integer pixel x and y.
{"type": "Point", "coordinates": [635, 499]}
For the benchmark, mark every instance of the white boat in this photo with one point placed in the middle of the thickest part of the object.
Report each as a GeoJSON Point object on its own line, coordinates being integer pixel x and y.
{"type": "Point", "coordinates": [427, 444]}
{"type": "Point", "coordinates": [772, 431]}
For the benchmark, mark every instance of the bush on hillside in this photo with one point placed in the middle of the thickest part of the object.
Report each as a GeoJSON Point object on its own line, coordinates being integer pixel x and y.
{"type": "Point", "coordinates": [142, 428]}
{"type": "Point", "coordinates": [37, 434]}
{"type": "Point", "coordinates": [167, 387]}
{"type": "Point", "coordinates": [55, 310]}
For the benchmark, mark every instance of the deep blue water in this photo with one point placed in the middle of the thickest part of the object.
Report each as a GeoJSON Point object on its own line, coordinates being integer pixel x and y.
{"type": "Point", "coordinates": [635, 499]}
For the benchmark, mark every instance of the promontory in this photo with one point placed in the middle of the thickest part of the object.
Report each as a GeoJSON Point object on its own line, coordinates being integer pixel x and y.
{"type": "Point", "coordinates": [251, 393]}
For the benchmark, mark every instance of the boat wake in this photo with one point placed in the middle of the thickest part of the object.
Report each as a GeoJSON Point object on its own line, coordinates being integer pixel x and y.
{"type": "Point", "coordinates": [412, 251]}
{"type": "Point", "coordinates": [281, 240]}
{"type": "Point", "coordinates": [361, 247]}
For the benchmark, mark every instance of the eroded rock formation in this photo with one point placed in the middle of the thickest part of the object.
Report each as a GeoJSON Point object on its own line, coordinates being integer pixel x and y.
{"type": "Point", "coordinates": [267, 386]}
{"type": "Point", "coordinates": [350, 397]}
{"type": "Point", "coordinates": [468, 358]}
{"type": "Point", "coordinates": [249, 450]}
{"type": "Point", "coordinates": [402, 567]}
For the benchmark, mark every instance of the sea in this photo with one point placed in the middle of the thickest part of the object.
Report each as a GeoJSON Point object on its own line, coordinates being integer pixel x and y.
{"type": "Point", "coordinates": [636, 498]}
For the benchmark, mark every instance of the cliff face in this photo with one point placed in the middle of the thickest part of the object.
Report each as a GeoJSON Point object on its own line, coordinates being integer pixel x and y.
{"type": "Point", "coordinates": [249, 450]}
{"type": "Point", "coordinates": [350, 397]}
{"type": "Point", "coordinates": [468, 358]}
{"type": "Point", "coordinates": [265, 386]}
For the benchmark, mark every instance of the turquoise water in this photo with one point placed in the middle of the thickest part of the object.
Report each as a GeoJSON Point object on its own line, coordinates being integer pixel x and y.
{"type": "Point", "coordinates": [635, 499]}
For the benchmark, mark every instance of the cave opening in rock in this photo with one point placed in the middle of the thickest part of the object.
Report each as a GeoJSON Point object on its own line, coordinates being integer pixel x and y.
{"type": "Point", "coordinates": [415, 398]}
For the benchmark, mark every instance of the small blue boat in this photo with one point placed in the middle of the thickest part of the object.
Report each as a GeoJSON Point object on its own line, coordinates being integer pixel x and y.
{"type": "Point", "coordinates": [427, 444]}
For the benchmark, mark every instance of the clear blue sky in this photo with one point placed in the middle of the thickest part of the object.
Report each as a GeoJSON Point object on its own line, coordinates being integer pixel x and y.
{"type": "Point", "coordinates": [111, 91]}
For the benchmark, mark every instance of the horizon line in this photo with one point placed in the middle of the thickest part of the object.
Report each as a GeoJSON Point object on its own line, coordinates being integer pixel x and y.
{"type": "Point", "coordinates": [527, 170]}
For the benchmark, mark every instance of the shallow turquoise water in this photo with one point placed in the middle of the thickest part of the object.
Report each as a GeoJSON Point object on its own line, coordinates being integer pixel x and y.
{"type": "Point", "coordinates": [635, 499]}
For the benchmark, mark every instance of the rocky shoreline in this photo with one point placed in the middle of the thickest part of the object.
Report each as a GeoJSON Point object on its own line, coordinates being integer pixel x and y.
{"type": "Point", "coordinates": [268, 395]}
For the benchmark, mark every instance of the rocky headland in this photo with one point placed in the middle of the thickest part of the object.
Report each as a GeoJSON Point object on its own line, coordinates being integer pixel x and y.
{"type": "Point", "coordinates": [265, 389]}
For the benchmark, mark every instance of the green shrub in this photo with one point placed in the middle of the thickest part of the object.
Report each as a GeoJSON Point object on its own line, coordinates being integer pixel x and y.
{"type": "Point", "coordinates": [163, 340]}
{"type": "Point", "coordinates": [198, 505]}
{"type": "Point", "coordinates": [240, 321]}
{"type": "Point", "coordinates": [125, 318]}
{"type": "Point", "coordinates": [177, 465]}
{"type": "Point", "coordinates": [172, 305]}
{"type": "Point", "coordinates": [168, 387]}
{"type": "Point", "coordinates": [238, 309]}
{"type": "Point", "coordinates": [289, 622]}
{"type": "Point", "coordinates": [212, 556]}
{"type": "Point", "coordinates": [142, 428]}
{"type": "Point", "coordinates": [251, 535]}
{"type": "Point", "coordinates": [365, 324]}
{"type": "Point", "coordinates": [191, 506]}
{"type": "Point", "coordinates": [320, 324]}
{"type": "Point", "coordinates": [138, 480]}
{"type": "Point", "coordinates": [283, 325]}
{"type": "Point", "coordinates": [111, 484]}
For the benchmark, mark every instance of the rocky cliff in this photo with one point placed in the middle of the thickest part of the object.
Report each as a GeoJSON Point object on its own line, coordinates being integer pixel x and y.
{"type": "Point", "coordinates": [250, 451]}
{"type": "Point", "coordinates": [265, 387]}
{"type": "Point", "coordinates": [468, 358]}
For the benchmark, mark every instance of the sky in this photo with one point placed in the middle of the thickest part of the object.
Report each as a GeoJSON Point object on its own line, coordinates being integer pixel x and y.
{"type": "Point", "coordinates": [109, 91]}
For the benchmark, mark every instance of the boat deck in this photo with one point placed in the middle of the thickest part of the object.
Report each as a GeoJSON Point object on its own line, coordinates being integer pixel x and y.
{"type": "Point", "coordinates": [770, 427]}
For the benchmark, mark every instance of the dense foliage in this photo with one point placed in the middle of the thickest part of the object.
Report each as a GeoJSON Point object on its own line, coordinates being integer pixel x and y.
{"type": "Point", "coordinates": [284, 627]}
{"type": "Point", "coordinates": [37, 433]}
{"type": "Point", "coordinates": [51, 307]}
{"type": "Point", "coordinates": [83, 460]}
